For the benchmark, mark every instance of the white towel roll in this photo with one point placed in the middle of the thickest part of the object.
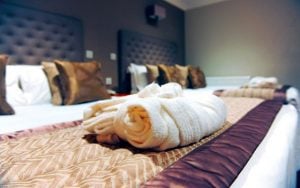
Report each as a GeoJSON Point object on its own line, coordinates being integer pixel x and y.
{"type": "Point", "coordinates": [162, 123]}
{"type": "Point", "coordinates": [157, 117]}
{"type": "Point", "coordinates": [144, 124]}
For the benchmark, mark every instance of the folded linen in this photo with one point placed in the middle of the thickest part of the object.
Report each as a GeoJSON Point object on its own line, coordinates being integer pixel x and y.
{"type": "Point", "coordinates": [161, 123]}
{"type": "Point", "coordinates": [156, 117]}
{"type": "Point", "coordinates": [156, 122]}
{"type": "Point", "coordinates": [168, 90]}
{"type": "Point", "coordinates": [98, 118]}
{"type": "Point", "coordinates": [263, 82]}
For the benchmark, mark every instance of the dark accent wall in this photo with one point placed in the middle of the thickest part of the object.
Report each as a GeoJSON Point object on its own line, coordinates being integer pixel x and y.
{"type": "Point", "coordinates": [103, 18]}
{"type": "Point", "coordinates": [246, 37]}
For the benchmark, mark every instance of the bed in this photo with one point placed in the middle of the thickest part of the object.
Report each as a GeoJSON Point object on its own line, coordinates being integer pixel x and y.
{"type": "Point", "coordinates": [233, 86]}
{"type": "Point", "coordinates": [134, 83]}
{"type": "Point", "coordinates": [137, 50]}
{"type": "Point", "coordinates": [45, 145]}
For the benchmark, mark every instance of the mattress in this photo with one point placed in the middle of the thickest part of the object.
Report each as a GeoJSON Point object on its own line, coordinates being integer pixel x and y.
{"type": "Point", "coordinates": [273, 159]}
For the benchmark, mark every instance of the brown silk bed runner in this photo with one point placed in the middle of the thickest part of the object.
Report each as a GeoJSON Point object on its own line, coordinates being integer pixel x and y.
{"type": "Point", "coordinates": [218, 162]}
{"type": "Point", "coordinates": [61, 157]}
{"type": "Point", "coordinates": [263, 93]}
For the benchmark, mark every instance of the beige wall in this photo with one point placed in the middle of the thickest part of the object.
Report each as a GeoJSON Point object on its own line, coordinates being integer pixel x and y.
{"type": "Point", "coordinates": [246, 37]}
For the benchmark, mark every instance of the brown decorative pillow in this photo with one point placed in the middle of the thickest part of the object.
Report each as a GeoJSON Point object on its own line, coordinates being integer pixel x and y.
{"type": "Point", "coordinates": [152, 73]}
{"type": "Point", "coordinates": [53, 80]}
{"type": "Point", "coordinates": [182, 73]}
{"type": "Point", "coordinates": [81, 82]}
{"type": "Point", "coordinates": [176, 73]}
{"type": "Point", "coordinates": [196, 77]}
{"type": "Point", "coordinates": [5, 108]}
{"type": "Point", "coordinates": [166, 74]}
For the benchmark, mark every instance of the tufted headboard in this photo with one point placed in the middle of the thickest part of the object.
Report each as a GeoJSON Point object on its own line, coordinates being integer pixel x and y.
{"type": "Point", "coordinates": [30, 36]}
{"type": "Point", "coordinates": [138, 48]}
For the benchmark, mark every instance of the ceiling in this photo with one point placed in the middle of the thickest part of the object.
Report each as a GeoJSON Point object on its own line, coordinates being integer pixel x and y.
{"type": "Point", "coordinates": [190, 4]}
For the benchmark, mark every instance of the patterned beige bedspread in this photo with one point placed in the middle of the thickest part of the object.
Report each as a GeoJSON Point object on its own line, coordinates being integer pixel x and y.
{"type": "Point", "coordinates": [62, 158]}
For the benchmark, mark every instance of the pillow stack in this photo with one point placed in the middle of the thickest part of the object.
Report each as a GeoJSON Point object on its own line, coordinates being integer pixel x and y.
{"type": "Point", "coordinates": [26, 85]}
{"type": "Point", "coordinates": [75, 82]}
{"type": "Point", "coordinates": [61, 82]}
{"type": "Point", "coordinates": [186, 76]}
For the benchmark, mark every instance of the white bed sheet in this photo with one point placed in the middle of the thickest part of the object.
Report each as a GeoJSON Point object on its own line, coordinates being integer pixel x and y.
{"type": "Point", "coordinates": [272, 165]}
{"type": "Point", "coordinates": [33, 116]}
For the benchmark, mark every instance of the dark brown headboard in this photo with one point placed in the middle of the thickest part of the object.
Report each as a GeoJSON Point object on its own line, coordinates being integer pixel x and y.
{"type": "Point", "coordinates": [141, 49]}
{"type": "Point", "coordinates": [30, 36]}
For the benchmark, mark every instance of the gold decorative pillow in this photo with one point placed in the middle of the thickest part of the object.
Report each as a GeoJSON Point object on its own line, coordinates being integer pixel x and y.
{"type": "Point", "coordinates": [176, 73]}
{"type": "Point", "coordinates": [196, 77]}
{"type": "Point", "coordinates": [152, 73]}
{"type": "Point", "coordinates": [5, 108]}
{"type": "Point", "coordinates": [53, 80]}
{"type": "Point", "coordinates": [81, 82]}
{"type": "Point", "coordinates": [182, 73]}
{"type": "Point", "coordinates": [166, 74]}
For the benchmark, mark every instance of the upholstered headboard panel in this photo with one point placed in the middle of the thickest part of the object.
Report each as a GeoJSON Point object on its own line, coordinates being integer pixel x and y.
{"type": "Point", "coordinates": [30, 36]}
{"type": "Point", "coordinates": [142, 49]}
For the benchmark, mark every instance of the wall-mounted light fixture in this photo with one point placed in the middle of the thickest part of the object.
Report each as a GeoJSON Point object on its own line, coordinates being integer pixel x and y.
{"type": "Point", "coordinates": [155, 13]}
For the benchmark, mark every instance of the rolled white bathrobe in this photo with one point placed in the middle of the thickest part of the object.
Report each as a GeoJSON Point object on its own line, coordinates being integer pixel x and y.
{"type": "Point", "coordinates": [99, 117]}
{"type": "Point", "coordinates": [145, 124]}
{"type": "Point", "coordinates": [161, 123]}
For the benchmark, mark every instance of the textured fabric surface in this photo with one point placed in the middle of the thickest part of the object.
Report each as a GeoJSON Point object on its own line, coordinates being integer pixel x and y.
{"type": "Point", "coordinates": [167, 74]}
{"type": "Point", "coordinates": [152, 73]}
{"type": "Point", "coordinates": [138, 75]}
{"type": "Point", "coordinates": [34, 84]}
{"type": "Point", "coordinates": [170, 73]}
{"type": "Point", "coordinates": [81, 82]}
{"type": "Point", "coordinates": [182, 75]}
{"type": "Point", "coordinates": [55, 157]}
{"type": "Point", "coordinates": [218, 162]}
{"type": "Point", "coordinates": [53, 80]}
{"type": "Point", "coordinates": [5, 108]}
{"type": "Point", "coordinates": [263, 93]}
{"type": "Point", "coordinates": [27, 85]}
{"type": "Point", "coordinates": [38, 131]}
{"type": "Point", "coordinates": [278, 94]}
{"type": "Point", "coordinates": [69, 160]}
{"type": "Point", "coordinates": [196, 77]}
{"type": "Point", "coordinates": [262, 82]}
{"type": "Point", "coordinates": [30, 36]}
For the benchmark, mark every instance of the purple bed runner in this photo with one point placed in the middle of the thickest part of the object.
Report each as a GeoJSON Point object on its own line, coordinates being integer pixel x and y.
{"type": "Point", "coordinates": [218, 162]}
{"type": "Point", "coordinates": [39, 130]}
